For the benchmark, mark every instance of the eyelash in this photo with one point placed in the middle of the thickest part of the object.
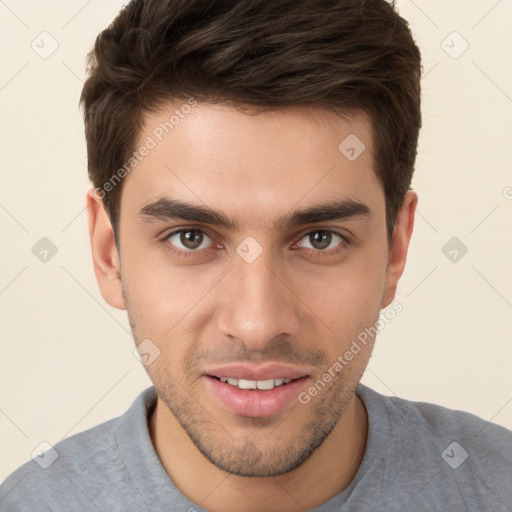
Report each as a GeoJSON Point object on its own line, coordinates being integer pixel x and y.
{"type": "Point", "coordinates": [191, 253]}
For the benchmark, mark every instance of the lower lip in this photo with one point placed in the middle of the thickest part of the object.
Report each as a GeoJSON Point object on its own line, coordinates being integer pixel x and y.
{"type": "Point", "coordinates": [253, 402]}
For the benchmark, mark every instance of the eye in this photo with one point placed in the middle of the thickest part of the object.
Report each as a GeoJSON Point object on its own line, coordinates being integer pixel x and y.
{"type": "Point", "coordinates": [320, 240]}
{"type": "Point", "coordinates": [190, 239]}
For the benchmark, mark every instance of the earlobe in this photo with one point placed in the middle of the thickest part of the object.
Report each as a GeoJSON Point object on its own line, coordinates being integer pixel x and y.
{"type": "Point", "coordinates": [104, 252]}
{"type": "Point", "coordinates": [402, 233]}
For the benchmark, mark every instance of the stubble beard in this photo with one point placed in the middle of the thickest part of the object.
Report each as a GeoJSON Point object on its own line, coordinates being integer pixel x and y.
{"type": "Point", "coordinates": [244, 457]}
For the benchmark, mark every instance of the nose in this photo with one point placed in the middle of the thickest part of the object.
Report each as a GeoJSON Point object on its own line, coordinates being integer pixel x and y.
{"type": "Point", "coordinates": [258, 304]}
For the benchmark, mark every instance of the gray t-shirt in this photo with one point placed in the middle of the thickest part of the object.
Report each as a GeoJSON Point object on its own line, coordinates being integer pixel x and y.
{"type": "Point", "coordinates": [419, 457]}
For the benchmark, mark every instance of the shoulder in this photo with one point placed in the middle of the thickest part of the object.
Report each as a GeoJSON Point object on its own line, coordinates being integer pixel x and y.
{"type": "Point", "coordinates": [440, 421]}
{"type": "Point", "coordinates": [478, 434]}
{"type": "Point", "coordinates": [59, 469]}
{"type": "Point", "coordinates": [78, 472]}
{"type": "Point", "coordinates": [464, 454]}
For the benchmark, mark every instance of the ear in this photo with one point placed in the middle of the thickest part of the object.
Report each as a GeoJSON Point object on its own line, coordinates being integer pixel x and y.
{"type": "Point", "coordinates": [402, 233]}
{"type": "Point", "coordinates": [106, 259]}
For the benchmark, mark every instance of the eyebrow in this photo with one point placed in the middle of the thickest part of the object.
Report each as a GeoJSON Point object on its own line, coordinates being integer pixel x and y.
{"type": "Point", "coordinates": [172, 209]}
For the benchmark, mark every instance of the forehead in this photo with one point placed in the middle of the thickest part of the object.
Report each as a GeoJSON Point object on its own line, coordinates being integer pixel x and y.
{"type": "Point", "coordinates": [252, 163]}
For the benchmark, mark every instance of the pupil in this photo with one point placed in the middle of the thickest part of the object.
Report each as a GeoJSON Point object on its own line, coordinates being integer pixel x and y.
{"type": "Point", "coordinates": [191, 239]}
{"type": "Point", "coordinates": [320, 239]}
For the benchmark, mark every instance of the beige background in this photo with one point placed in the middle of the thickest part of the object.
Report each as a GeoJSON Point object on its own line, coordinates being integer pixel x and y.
{"type": "Point", "coordinates": [66, 361]}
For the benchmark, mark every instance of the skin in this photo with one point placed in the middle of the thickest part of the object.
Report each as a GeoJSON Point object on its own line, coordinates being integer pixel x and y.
{"type": "Point", "coordinates": [299, 302]}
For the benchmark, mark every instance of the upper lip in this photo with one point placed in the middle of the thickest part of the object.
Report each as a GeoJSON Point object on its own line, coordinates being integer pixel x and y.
{"type": "Point", "coordinates": [264, 371]}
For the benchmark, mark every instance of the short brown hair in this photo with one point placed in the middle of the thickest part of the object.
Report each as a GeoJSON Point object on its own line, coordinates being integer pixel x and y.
{"type": "Point", "coordinates": [342, 55]}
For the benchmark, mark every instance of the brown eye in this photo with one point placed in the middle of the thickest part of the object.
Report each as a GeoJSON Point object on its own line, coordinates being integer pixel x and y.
{"type": "Point", "coordinates": [189, 239]}
{"type": "Point", "coordinates": [321, 240]}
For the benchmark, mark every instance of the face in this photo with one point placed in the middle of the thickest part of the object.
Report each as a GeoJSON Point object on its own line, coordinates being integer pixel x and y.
{"type": "Point", "coordinates": [252, 249]}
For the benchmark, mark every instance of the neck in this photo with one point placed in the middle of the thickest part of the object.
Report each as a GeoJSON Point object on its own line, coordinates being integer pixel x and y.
{"type": "Point", "coordinates": [325, 474]}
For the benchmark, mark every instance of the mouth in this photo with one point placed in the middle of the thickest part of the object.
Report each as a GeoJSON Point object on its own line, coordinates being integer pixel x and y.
{"type": "Point", "coordinates": [255, 384]}
{"type": "Point", "coordinates": [255, 392]}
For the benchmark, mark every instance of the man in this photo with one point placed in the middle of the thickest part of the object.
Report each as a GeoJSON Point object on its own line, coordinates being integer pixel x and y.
{"type": "Point", "coordinates": [252, 212]}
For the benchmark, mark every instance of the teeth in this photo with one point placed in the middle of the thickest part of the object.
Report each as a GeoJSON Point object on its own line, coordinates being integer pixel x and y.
{"type": "Point", "coordinates": [266, 384]}
{"type": "Point", "coordinates": [247, 384]}
{"type": "Point", "coordinates": [255, 384]}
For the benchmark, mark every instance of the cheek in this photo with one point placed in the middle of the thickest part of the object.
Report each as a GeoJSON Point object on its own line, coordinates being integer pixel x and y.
{"type": "Point", "coordinates": [347, 310]}
{"type": "Point", "coordinates": [347, 298]}
{"type": "Point", "coordinates": [161, 295]}
{"type": "Point", "coordinates": [350, 309]}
